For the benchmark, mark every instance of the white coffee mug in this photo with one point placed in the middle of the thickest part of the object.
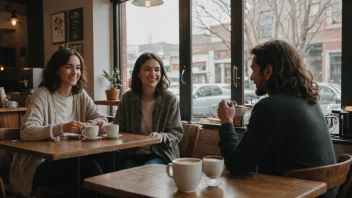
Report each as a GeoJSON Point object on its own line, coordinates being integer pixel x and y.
{"type": "Point", "coordinates": [90, 131]}
{"type": "Point", "coordinates": [186, 172]}
{"type": "Point", "coordinates": [11, 104]}
{"type": "Point", "coordinates": [111, 130]}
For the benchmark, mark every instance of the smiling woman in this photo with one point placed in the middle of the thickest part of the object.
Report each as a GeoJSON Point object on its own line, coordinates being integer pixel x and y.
{"type": "Point", "coordinates": [59, 106]}
{"type": "Point", "coordinates": [150, 109]}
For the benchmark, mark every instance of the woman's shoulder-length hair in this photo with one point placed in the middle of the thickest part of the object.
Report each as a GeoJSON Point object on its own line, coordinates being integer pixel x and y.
{"type": "Point", "coordinates": [135, 81]}
{"type": "Point", "coordinates": [51, 78]}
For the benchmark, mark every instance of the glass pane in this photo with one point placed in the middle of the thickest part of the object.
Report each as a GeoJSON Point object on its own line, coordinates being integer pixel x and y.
{"type": "Point", "coordinates": [156, 30]}
{"type": "Point", "coordinates": [211, 54]}
{"type": "Point", "coordinates": [319, 42]}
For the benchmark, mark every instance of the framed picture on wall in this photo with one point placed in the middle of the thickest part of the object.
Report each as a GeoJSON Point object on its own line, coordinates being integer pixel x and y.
{"type": "Point", "coordinates": [78, 47]}
{"type": "Point", "coordinates": [75, 22]}
{"type": "Point", "coordinates": [59, 27]}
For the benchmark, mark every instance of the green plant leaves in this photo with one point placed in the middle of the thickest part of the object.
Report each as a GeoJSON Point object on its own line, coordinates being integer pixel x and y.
{"type": "Point", "coordinates": [114, 78]}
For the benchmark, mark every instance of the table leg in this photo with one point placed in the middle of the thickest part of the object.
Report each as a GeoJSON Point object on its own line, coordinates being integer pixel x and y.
{"type": "Point", "coordinates": [78, 172]}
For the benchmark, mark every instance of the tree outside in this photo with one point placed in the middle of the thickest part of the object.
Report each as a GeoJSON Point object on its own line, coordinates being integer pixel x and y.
{"type": "Point", "coordinates": [312, 26]}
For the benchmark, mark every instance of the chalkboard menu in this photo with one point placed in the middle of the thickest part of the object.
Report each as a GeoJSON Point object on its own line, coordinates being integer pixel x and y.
{"type": "Point", "coordinates": [75, 18]}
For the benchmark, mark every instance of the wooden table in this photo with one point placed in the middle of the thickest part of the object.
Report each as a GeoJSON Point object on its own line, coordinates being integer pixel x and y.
{"type": "Point", "coordinates": [152, 181]}
{"type": "Point", "coordinates": [55, 150]}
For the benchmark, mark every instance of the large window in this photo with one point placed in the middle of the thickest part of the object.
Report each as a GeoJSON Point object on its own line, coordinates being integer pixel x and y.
{"type": "Point", "coordinates": [155, 30]}
{"type": "Point", "coordinates": [315, 41]}
{"type": "Point", "coordinates": [204, 26]}
{"type": "Point", "coordinates": [211, 46]}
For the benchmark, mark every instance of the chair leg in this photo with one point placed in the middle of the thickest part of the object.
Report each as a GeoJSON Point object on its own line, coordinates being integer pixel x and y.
{"type": "Point", "coordinates": [3, 193]}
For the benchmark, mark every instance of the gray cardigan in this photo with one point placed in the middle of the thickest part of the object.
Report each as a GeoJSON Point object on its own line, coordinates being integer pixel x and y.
{"type": "Point", "coordinates": [166, 121]}
{"type": "Point", "coordinates": [39, 123]}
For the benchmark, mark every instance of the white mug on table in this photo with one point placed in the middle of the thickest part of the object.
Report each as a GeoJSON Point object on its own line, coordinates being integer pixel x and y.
{"type": "Point", "coordinates": [111, 130]}
{"type": "Point", "coordinates": [11, 104]}
{"type": "Point", "coordinates": [186, 172]}
{"type": "Point", "coordinates": [90, 131]}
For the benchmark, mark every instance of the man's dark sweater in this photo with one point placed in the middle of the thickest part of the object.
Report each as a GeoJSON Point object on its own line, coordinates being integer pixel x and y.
{"type": "Point", "coordinates": [285, 132]}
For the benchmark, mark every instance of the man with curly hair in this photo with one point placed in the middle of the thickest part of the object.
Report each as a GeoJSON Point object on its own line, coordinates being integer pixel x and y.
{"type": "Point", "coordinates": [287, 130]}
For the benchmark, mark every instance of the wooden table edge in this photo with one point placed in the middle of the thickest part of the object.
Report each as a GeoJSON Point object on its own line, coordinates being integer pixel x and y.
{"type": "Point", "coordinates": [73, 154]}
{"type": "Point", "coordinates": [97, 187]}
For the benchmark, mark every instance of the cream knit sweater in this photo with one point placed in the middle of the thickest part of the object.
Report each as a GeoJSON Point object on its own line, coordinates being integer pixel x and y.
{"type": "Point", "coordinates": [39, 123]}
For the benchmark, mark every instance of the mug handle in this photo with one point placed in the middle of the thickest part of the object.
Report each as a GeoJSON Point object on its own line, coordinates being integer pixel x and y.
{"type": "Point", "coordinates": [16, 103]}
{"type": "Point", "coordinates": [168, 168]}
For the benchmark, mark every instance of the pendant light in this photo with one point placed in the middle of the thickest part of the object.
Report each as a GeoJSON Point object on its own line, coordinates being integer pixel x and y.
{"type": "Point", "coordinates": [13, 18]}
{"type": "Point", "coordinates": [147, 3]}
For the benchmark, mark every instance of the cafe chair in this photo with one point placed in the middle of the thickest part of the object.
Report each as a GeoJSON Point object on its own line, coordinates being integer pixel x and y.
{"type": "Point", "coordinates": [189, 139]}
{"type": "Point", "coordinates": [6, 158]}
{"type": "Point", "coordinates": [333, 175]}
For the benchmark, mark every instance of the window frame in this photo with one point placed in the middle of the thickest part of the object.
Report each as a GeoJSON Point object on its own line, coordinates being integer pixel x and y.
{"type": "Point", "coordinates": [237, 51]}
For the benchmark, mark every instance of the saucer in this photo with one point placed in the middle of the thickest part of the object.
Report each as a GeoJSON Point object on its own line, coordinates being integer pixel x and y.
{"type": "Point", "coordinates": [11, 107]}
{"type": "Point", "coordinates": [92, 138]}
{"type": "Point", "coordinates": [112, 137]}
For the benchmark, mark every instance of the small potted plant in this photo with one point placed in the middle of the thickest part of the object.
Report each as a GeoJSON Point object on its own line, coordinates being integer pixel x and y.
{"type": "Point", "coordinates": [113, 91]}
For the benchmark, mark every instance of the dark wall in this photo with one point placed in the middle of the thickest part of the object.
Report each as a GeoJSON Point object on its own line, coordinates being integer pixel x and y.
{"type": "Point", "coordinates": [35, 31]}
{"type": "Point", "coordinates": [346, 71]}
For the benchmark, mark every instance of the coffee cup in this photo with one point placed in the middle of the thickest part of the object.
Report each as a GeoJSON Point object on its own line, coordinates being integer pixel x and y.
{"type": "Point", "coordinates": [213, 166]}
{"type": "Point", "coordinates": [90, 131]}
{"type": "Point", "coordinates": [111, 130]}
{"type": "Point", "coordinates": [186, 172]}
{"type": "Point", "coordinates": [11, 104]}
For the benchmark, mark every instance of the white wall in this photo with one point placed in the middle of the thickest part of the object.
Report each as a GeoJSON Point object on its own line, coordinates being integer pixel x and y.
{"type": "Point", "coordinates": [97, 41]}
{"type": "Point", "coordinates": [103, 45]}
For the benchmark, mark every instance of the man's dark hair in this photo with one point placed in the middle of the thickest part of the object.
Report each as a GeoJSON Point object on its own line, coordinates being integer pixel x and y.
{"type": "Point", "coordinates": [289, 73]}
{"type": "Point", "coordinates": [51, 78]}
{"type": "Point", "coordinates": [136, 83]}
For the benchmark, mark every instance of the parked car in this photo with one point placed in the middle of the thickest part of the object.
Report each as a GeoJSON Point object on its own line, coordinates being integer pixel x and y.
{"type": "Point", "coordinates": [207, 95]}
{"type": "Point", "coordinates": [330, 93]}
{"type": "Point", "coordinates": [175, 88]}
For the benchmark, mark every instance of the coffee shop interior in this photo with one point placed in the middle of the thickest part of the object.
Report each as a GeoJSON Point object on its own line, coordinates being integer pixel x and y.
{"type": "Point", "coordinates": [205, 48]}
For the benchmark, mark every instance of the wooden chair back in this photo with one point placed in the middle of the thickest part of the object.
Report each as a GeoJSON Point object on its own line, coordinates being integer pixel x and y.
{"type": "Point", "coordinates": [9, 134]}
{"type": "Point", "coordinates": [189, 139]}
{"type": "Point", "coordinates": [2, 189]}
{"type": "Point", "coordinates": [333, 175]}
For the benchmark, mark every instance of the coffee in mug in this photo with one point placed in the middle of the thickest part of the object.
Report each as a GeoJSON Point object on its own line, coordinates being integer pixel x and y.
{"type": "Point", "coordinates": [90, 131]}
{"type": "Point", "coordinates": [111, 130]}
{"type": "Point", "coordinates": [186, 172]}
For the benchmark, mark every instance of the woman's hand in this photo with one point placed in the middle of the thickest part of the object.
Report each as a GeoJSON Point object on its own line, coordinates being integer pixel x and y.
{"type": "Point", "coordinates": [157, 135]}
{"type": "Point", "coordinates": [101, 127]}
{"type": "Point", "coordinates": [73, 127]}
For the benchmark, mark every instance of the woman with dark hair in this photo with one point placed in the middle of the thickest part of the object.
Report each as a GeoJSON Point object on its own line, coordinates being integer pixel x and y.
{"type": "Point", "coordinates": [60, 105]}
{"type": "Point", "coordinates": [150, 109]}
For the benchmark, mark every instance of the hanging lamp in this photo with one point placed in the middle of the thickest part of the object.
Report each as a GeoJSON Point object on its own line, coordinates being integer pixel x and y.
{"type": "Point", "coordinates": [147, 3]}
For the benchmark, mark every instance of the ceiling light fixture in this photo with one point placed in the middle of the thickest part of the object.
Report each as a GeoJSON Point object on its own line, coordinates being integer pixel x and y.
{"type": "Point", "coordinates": [147, 3]}
{"type": "Point", "coordinates": [14, 20]}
